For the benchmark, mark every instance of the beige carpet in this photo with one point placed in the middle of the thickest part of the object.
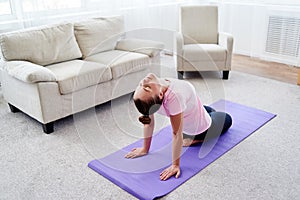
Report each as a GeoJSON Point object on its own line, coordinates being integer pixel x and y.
{"type": "Point", "coordinates": [34, 165]}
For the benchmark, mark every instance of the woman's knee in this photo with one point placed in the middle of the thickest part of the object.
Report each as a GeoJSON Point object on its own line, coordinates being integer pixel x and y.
{"type": "Point", "coordinates": [228, 120]}
{"type": "Point", "coordinates": [222, 118]}
{"type": "Point", "coordinates": [209, 109]}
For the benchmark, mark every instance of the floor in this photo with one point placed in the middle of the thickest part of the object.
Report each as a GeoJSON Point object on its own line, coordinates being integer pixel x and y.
{"type": "Point", "coordinates": [272, 70]}
{"type": "Point", "coordinates": [265, 166]}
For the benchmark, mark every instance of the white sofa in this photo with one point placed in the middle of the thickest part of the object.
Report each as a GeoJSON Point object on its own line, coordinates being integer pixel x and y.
{"type": "Point", "coordinates": [54, 71]}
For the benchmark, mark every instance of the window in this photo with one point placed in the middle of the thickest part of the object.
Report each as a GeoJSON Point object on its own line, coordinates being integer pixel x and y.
{"type": "Point", "coordinates": [47, 5]}
{"type": "Point", "coordinates": [5, 8]}
{"type": "Point", "coordinates": [261, 2]}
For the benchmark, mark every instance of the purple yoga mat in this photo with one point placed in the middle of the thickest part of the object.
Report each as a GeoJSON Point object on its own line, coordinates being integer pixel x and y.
{"type": "Point", "coordinates": [140, 176]}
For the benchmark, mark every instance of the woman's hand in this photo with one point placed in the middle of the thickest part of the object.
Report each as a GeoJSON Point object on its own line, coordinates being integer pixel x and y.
{"type": "Point", "coordinates": [170, 171]}
{"type": "Point", "coordinates": [136, 152]}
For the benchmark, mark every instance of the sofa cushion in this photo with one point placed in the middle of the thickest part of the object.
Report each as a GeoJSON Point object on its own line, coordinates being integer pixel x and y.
{"type": "Point", "coordinates": [28, 72]}
{"type": "Point", "coordinates": [121, 62]}
{"type": "Point", "coordinates": [148, 47]}
{"type": "Point", "coordinates": [205, 52]}
{"type": "Point", "coordinates": [98, 34]}
{"type": "Point", "coordinates": [42, 45]}
{"type": "Point", "coordinates": [78, 74]}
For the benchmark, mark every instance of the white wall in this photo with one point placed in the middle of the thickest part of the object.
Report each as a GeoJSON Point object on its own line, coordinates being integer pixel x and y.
{"type": "Point", "coordinates": [248, 23]}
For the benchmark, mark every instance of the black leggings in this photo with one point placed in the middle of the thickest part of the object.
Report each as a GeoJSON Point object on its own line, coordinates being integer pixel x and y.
{"type": "Point", "coordinates": [220, 123]}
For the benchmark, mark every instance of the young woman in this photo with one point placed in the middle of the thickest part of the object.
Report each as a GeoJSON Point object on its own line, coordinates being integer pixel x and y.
{"type": "Point", "coordinates": [191, 121]}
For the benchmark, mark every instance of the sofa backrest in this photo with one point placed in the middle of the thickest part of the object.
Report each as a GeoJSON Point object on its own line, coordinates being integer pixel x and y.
{"type": "Point", "coordinates": [42, 45]}
{"type": "Point", "coordinates": [98, 34]}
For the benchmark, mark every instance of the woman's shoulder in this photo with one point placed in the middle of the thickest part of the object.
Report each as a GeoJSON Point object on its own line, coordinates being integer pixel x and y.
{"type": "Point", "coordinates": [175, 81]}
{"type": "Point", "coordinates": [179, 84]}
{"type": "Point", "coordinates": [177, 89]}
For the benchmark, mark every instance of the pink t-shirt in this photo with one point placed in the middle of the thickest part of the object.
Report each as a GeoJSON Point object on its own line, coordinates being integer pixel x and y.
{"type": "Point", "coordinates": [182, 97]}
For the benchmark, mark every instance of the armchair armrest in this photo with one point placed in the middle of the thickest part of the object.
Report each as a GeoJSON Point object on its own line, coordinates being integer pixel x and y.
{"type": "Point", "coordinates": [28, 72]}
{"type": "Point", "coordinates": [148, 47]}
{"type": "Point", "coordinates": [226, 41]}
{"type": "Point", "coordinates": [178, 47]}
{"type": "Point", "coordinates": [1, 63]}
{"type": "Point", "coordinates": [178, 43]}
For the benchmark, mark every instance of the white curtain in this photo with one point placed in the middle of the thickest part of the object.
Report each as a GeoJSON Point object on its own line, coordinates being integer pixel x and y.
{"type": "Point", "coordinates": [18, 14]}
{"type": "Point", "coordinates": [147, 19]}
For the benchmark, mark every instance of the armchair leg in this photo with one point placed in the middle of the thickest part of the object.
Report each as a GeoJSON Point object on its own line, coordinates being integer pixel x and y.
{"type": "Point", "coordinates": [13, 109]}
{"type": "Point", "coordinates": [180, 75]}
{"type": "Point", "coordinates": [48, 128]}
{"type": "Point", "coordinates": [225, 75]}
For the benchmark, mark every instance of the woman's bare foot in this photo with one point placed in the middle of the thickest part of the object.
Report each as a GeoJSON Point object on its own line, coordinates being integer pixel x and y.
{"type": "Point", "coordinates": [188, 142]}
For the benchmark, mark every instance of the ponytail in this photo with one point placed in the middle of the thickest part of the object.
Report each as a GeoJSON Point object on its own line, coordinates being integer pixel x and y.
{"type": "Point", "coordinates": [145, 119]}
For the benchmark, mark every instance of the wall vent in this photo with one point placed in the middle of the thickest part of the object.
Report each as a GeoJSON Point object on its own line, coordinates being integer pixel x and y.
{"type": "Point", "coordinates": [283, 36]}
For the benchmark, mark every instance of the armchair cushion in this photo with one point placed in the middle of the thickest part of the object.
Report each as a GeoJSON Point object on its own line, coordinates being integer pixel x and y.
{"type": "Point", "coordinates": [29, 72]}
{"type": "Point", "coordinates": [42, 46]}
{"type": "Point", "coordinates": [204, 52]}
{"type": "Point", "coordinates": [148, 47]}
{"type": "Point", "coordinates": [98, 34]}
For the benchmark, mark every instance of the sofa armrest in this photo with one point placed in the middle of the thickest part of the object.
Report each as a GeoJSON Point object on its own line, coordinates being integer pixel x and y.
{"type": "Point", "coordinates": [226, 41]}
{"type": "Point", "coordinates": [29, 72]}
{"type": "Point", "coordinates": [148, 47]}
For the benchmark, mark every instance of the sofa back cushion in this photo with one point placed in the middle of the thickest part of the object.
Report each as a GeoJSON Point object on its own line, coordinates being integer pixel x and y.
{"type": "Point", "coordinates": [98, 34]}
{"type": "Point", "coordinates": [43, 45]}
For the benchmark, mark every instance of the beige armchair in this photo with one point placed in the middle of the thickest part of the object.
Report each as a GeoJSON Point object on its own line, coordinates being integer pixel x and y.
{"type": "Point", "coordinates": [199, 45]}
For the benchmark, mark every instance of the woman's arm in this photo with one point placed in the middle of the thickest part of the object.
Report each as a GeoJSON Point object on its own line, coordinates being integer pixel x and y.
{"type": "Point", "coordinates": [177, 122]}
{"type": "Point", "coordinates": [148, 132]}
{"type": "Point", "coordinates": [174, 169]}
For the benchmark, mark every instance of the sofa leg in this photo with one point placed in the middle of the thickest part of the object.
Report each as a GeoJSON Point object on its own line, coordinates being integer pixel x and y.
{"type": "Point", "coordinates": [225, 75]}
{"type": "Point", "coordinates": [13, 109]}
{"type": "Point", "coordinates": [48, 128]}
{"type": "Point", "coordinates": [180, 75]}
